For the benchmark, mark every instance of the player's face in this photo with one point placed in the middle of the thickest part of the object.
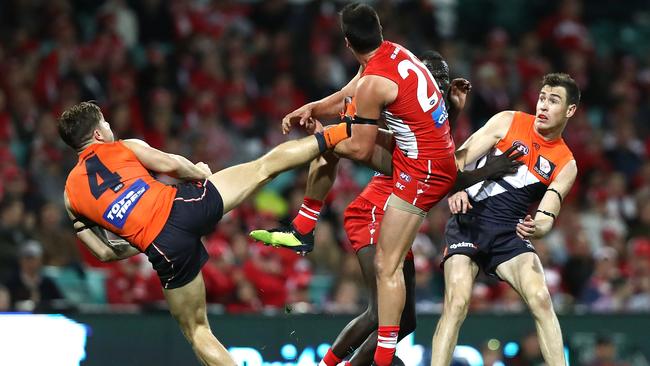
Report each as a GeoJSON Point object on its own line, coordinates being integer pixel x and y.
{"type": "Point", "coordinates": [105, 131]}
{"type": "Point", "coordinates": [440, 71]}
{"type": "Point", "coordinates": [552, 108]}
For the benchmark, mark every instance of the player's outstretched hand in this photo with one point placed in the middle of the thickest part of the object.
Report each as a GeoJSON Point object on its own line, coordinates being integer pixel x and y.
{"type": "Point", "coordinates": [504, 164]}
{"type": "Point", "coordinates": [459, 202]}
{"type": "Point", "coordinates": [300, 117]}
{"type": "Point", "coordinates": [526, 228]}
{"type": "Point", "coordinates": [458, 90]}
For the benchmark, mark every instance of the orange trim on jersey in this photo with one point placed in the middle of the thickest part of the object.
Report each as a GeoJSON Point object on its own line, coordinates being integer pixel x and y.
{"type": "Point", "coordinates": [119, 194]}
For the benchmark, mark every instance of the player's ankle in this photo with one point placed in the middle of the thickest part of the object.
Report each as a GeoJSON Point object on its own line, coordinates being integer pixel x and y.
{"type": "Point", "coordinates": [330, 359]}
{"type": "Point", "coordinates": [307, 217]}
{"type": "Point", "coordinates": [386, 343]}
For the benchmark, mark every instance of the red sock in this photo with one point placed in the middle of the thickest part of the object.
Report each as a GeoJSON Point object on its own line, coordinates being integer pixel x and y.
{"type": "Point", "coordinates": [307, 217]}
{"type": "Point", "coordinates": [386, 343]}
{"type": "Point", "coordinates": [330, 359]}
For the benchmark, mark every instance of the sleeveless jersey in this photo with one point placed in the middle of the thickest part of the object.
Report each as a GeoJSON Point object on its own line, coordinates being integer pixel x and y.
{"type": "Point", "coordinates": [418, 115]}
{"type": "Point", "coordinates": [110, 186]}
{"type": "Point", "coordinates": [508, 199]}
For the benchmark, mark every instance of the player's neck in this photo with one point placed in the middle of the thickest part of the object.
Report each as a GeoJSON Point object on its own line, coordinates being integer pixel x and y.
{"type": "Point", "coordinates": [550, 134]}
{"type": "Point", "coordinates": [365, 58]}
{"type": "Point", "coordinates": [86, 145]}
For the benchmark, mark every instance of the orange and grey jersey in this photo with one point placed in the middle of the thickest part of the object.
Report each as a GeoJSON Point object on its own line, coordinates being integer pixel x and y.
{"type": "Point", "coordinates": [509, 198]}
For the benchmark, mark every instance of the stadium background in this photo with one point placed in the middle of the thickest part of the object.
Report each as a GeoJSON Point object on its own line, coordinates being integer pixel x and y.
{"type": "Point", "coordinates": [212, 79]}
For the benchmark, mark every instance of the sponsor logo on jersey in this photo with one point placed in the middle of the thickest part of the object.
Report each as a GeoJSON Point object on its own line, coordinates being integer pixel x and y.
{"type": "Point", "coordinates": [121, 208]}
{"type": "Point", "coordinates": [544, 167]}
{"type": "Point", "coordinates": [440, 115]}
{"type": "Point", "coordinates": [462, 244]}
{"type": "Point", "coordinates": [394, 54]}
{"type": "Point", "coordinates": [400, 186]}
{"type": "Point", "coordinates": [529, 244]}
{"type": "Point", "coordinates": [117, 187]}
{"type": "Point", "coordinates": [536, 145]}
{"type": "Point", "coordinates": [521, 147]}
{"type": "Point", "coordinates": [405, 177]}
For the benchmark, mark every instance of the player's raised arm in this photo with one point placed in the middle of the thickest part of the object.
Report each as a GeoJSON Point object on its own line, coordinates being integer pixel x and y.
{"type": "Point", "coordinates": [161, 162]}
{"type": "Point", "coordinates": [94, 238]}
{"type": "Point", "coordinates": [372, 94]}
{"type": "Point", "coordinates": [328, 107]}
{"type": "Point", "coordinates": [481, 141]}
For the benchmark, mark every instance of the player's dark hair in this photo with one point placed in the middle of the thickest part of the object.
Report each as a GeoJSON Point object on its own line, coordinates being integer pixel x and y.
{"type": "Point", "coordinates": [360, 25]}
{"type": "Point", "coordinates": [77, 123]}
{"type": "Point", "coordinates": [438, 67]}
{"type": "Point", "coordinates": [565, 81]}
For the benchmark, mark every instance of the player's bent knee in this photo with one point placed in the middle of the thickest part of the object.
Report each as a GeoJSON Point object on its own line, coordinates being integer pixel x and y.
{"type": "Point", "coordinates": [540, 301]}
{"type": "Point", "coordinates": [456, 305]}
{"type": "Point", "coordinates": [384, 268]}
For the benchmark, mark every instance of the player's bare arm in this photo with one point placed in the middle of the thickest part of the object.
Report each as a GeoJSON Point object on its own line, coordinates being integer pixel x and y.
{"type": "Point", "coordinates": [372, 94]}
{"type": "Point", "coordinates": [481, 141]}
{"type": "Point", "coordinates": [95, 239]}
{"type": "Point", "coordinates": [549, 206]}
{"type": "Point", "coordinates": [326, 108]}
{"type": "Point", "coordinates": [170, 164]}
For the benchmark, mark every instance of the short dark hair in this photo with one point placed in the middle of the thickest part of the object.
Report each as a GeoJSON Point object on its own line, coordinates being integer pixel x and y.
{"type": "Point", "coordinates": [360, 25]}
{"type": "Point", "coordinates": [77, 123]}
{"type": "Point", "coordinates": [565, 81]}
{"type": "Point", "coordinates": [438, 67]}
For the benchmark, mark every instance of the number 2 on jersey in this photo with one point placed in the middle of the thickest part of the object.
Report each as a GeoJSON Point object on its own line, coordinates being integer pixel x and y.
{"type": "Point", "coordinates": [426, 102]}
{"type": "Point", "coordinates": [95, 167]}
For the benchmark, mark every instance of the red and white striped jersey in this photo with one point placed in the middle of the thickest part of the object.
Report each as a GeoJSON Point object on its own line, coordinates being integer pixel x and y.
{"type": "Point", "coordinates": [418, 115]}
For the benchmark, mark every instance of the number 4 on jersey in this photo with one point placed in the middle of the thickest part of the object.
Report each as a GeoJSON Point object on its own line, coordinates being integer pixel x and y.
{"type": "Point", "coordinates": [95, 168]}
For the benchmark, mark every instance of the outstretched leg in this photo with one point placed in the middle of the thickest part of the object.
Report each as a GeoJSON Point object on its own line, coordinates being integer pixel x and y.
{"type": "Point", "coordinates": [460, 272]}
{"type": "Point", "coordinates": [237, 183]}
{"type": "Point", "coordinates": [187, 305]}
{"type": "Point", "coordinates": [526, 275]}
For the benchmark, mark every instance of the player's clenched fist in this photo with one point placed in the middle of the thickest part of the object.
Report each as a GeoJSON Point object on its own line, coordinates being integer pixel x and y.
{"type": "Point", "coordinates": [203, 167]}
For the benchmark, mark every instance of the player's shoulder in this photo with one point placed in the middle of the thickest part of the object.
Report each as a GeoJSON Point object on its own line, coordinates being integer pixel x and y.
{"type": "Point", "coordinates": [131, 142]}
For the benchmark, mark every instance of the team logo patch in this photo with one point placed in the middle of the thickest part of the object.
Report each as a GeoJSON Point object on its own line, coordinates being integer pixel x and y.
{"type": "Point", "coordinates": [521, 147]}
{"type": "Point", "coordinates": [121, 208]}
{"type": "Point", "coordinates": [422, 187]}
{"type": "Point", "coordinates": [544, 167]}
{"type": "Point", "coordinates": [372, 228]}
{"type": "Point", "coordinates": [440, 115]}
{"type": "Point", "coordinates": [405, 177]}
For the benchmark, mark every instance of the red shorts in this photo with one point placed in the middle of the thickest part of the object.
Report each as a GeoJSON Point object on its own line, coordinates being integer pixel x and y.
{"type": "Point", "coordinates": [423, 183]}
{"type": "Point", "coordinates": [361, 221]}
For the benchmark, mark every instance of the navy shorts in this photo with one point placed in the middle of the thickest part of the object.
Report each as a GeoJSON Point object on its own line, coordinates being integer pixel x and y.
{"type": "Point", "coordinates": [486, 243]}
{"type": "Point", "coordinates": [177, 254]}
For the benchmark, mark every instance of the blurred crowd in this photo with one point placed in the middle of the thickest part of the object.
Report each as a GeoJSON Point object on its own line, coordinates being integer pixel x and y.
{"type": "Point", "coordinates": [211, 80]}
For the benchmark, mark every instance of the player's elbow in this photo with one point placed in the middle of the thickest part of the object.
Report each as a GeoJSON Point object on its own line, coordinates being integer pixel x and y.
{"type": "Point", "coordinates": [105, 254]}
{"type": "Point", "coordinates": [360, 151]}
{"type": "Point", "coordinates": [362, 155]}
